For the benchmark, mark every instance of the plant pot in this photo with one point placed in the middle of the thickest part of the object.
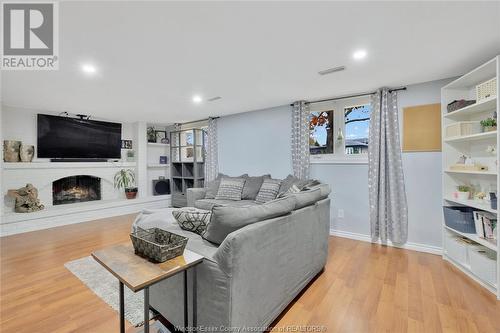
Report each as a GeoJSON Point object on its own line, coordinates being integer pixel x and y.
{"type": "Point", "coordinates": [489, 128]}
{"type": "Point", "coordinates": [463, 195]}
{"type": "Point", "coordinates": [131, 193]}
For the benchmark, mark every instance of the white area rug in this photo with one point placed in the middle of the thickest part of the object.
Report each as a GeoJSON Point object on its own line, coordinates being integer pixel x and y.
{"type": "Point", "coordinates": [105, 285]}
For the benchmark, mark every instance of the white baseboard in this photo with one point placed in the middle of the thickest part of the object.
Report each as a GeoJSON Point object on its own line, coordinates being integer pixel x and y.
{"type": "Point", "coordinates": [78, 214]}
{"type": "Point", "coordinates": [408, 246]}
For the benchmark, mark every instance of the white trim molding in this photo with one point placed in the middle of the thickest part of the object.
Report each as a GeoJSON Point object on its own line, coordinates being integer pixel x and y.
{"type": "Point", "coordinates": [408, 246]}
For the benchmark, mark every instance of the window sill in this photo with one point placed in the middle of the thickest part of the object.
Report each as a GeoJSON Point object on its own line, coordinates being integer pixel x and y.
{"type": "Point", "coordinates": [355, 161]}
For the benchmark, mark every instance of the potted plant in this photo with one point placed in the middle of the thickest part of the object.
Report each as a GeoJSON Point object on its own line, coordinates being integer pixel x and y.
{"type": "Point", "coordinates": [463, 192]}
{"type": "Point", "coordinates": [489, 124]}
{"type": "Point", "coordinates": [125, 178]}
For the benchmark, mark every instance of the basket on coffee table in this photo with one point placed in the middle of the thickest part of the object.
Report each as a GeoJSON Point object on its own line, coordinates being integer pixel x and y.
{"type": "Point", "coordinates": [158, 245]}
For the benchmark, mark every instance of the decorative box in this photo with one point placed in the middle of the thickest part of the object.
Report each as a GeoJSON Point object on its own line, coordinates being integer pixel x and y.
{"type": "Point", "coordinates": [459, 104]}
{"type": "Point", "coordinates": [486, 89]}
{"type": "Point", "coordinates": [462, 128]}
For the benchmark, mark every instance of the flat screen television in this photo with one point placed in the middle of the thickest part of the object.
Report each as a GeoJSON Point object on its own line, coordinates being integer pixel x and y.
{"type": "Point", "coordinates": [70, 138]}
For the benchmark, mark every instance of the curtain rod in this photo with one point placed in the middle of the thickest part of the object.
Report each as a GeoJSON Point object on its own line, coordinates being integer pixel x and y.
{"type": "Point", "coordinates": [351, 96]}
{"type": "Point", "coordinates": [197, 121]}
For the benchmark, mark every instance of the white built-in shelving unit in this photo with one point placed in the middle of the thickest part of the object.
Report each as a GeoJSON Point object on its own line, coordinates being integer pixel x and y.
{"type": "Point", "coordinates": [474, 146]}
{"type": "Point", "coordinates": [155, 170]}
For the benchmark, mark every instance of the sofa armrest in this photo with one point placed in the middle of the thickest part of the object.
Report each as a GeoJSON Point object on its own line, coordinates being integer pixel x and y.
{"type": "Point", "coordinates": [194, 194]}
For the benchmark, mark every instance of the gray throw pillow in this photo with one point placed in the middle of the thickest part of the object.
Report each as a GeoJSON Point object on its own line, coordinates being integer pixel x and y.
{"type": "Point", "coordinates": [213, 186]}
{"type": "Point", "coordinates": [192, 219]}
{"type": "Point", "coordinates": [226, 219]}
{"type": "Point", "coordinates": [230, 188]}
{"type": "Point", "coordinates": [287, 183]}
{"type": "Point", "coordinates": [269, 190]}
{"type": "Point", "coordinates": [252, 187]}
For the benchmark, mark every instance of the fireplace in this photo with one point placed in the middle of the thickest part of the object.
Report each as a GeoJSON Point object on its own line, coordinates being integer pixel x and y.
{"type": "Point", "coordinates": [76, 189]}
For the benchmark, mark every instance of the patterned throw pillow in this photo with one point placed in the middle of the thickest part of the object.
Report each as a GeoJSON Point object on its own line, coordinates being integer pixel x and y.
{"type": "Point", "coordinates": [230, 188]}
{"type": "Point", "coordinates": [269, 190]}
{"type": "Point", "coordinates": [192, 219]}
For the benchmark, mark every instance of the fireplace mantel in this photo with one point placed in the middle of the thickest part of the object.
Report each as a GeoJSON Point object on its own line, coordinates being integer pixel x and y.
{"type": "Point", "coordinates": [67, 165]}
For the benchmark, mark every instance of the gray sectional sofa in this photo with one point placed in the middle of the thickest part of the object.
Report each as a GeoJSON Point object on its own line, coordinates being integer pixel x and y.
{"type": "Point", "coordinates": [258, 269]}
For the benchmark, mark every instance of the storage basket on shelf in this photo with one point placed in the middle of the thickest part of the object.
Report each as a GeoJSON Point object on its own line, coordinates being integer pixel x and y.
{"type": "Point", "coordinates": [459, 104]}
{"type": "Point", "coordinates": [462, 128]}
{"type": "Point", "coordinates": [486, 89]}
{"type": "Point", "coordinates": [459, 218]}
{"type": "Point", "coordinates": [158, 245]}
{"type": "Point", "coordinates": [483, 263]}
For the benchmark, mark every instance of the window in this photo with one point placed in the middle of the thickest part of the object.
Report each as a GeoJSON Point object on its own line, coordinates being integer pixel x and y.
{"type": "Point", "coordinates": [357, 124]}
{"type": "Point", "coordinates": [321, 132]}
{"type": "Point", "coordinates": [338, 130]}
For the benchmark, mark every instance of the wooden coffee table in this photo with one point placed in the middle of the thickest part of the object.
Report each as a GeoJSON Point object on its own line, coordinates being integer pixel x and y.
{"type": "Point", "coordinates": [138, 274]}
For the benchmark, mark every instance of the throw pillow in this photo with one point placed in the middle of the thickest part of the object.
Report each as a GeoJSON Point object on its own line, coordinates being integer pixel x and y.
{"type": "Point", "coordinates": [269, 190]}
{"type": "Point", "coordinates": [213, 186]}
{"type": "Point", "coordinates": [192, 219]}
{"type": "Point", "coordinates": [252, 187]}
{"type": "Point", "coordinates": [230, 188]}
{"type": "Point", "coordinates": [287, 183]}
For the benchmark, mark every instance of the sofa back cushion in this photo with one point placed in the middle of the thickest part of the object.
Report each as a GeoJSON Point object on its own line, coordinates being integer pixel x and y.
{"type": "Point", "coordinates": [213, 186]}
{"type": "Point", "coordinates": [252, 187]}
{"type": "Point", "coordinates": [226, 219]}
{"type": "Point", "coordinates": [305, 198]}
{"type": "Point", "coordinates": [230, 188]}
{"type": "Point", "coordinates": [269, 190]}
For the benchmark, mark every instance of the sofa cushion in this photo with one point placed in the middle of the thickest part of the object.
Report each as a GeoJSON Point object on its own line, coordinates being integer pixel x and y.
{"type": "Point", "coordinates": [213, 187]}
{"type": "Point", "coordinates": [226, 219]}
{"type": "Point", "coordinates": [230, 188]}
{"type": "Point", "coordinates": [287, 183]}
{"type": "Point", "coordinates": [324, 190]}
{"type": "Point", "coordinates": [269, 190]}
{"type": "Point", "coordinates": [252, 187]}
{"type": "Point", "coordinates": [192, 219]}
{"type": "Point", "coordinates": [305, 198]}
{"type": "Point", "coordinates": [208, 204]}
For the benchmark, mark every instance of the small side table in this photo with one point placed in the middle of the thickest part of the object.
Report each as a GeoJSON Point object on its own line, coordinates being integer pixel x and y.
{"type": "Point", "coordinates": [138, 273]}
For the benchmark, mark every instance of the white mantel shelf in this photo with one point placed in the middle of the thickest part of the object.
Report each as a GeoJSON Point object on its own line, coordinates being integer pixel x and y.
{"type": "Point", "coordinates": [67, 165]}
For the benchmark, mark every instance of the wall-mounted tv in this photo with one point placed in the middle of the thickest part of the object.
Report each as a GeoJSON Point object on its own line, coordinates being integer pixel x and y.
{"type": "Point", "coordinates": [71, 138]}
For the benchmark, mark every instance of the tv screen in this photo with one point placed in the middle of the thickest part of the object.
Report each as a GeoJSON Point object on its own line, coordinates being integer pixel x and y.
{"type": "Point", "coordinates": [62, 137]}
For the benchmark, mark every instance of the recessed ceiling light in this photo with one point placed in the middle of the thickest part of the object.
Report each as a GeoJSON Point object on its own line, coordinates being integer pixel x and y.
{"type": "Point", "coordinates": [197, 99]}
{"type": "Point", "coordinates": [89, 69]}
{"type": "Point", "coordinates": [358, 55]}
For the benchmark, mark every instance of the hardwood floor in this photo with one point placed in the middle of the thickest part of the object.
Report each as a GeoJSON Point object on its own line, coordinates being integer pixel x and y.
{"type": "Point", "coordinates": [364, 288]}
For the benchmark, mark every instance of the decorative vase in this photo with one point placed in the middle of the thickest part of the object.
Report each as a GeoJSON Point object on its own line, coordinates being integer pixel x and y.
{"type": "Point", "coordinates": [26, 152]}
{"type": "Point", "coordinates": [489, 128]}
{"type": "Point", "coordinates": [11, 150]}
{"type": "Point", "coordinates": [463, 195]}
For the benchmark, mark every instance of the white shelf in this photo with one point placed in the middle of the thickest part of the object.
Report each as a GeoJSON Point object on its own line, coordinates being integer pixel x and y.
{"type": "Point", "coordinates": [478, 75]}
{"type": "Point", "coordinates": [157, 165]}
{"type": "Point", "coordinates": [472, 203]}
{"type": "Point", "coordinates": [154, 144]}
{"type": "Point", "coordinates": [472, 172]}
{"type": "Point", "coordinates": [486, 105]}
{"type": "Point", "coordinates": [479, 136]}
{"type": "Point", "coordinates": [490, 244]}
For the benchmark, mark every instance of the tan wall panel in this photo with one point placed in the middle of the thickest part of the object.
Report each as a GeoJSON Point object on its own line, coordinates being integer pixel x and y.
{"type": "Point", "coordinates": [422, 128]}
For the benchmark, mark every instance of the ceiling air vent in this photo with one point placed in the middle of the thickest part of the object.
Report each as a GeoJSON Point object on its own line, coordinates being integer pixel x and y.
{"type": "Point", "coordinates": [214, 98]}
{"type": "Point", "coordinates": [331, 70]}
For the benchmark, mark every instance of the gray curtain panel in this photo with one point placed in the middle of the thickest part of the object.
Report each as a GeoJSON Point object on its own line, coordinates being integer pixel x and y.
{"type": "Point", "coordinates": [388, 207]}
{"type": "Point", "coordinates": [300, 140]}
{"type": "Point", "coordinates": [212, 155]}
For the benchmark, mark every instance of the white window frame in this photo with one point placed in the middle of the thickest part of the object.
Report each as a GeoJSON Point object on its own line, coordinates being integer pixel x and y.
{"type": "Point", "coordinates": [339, 156]}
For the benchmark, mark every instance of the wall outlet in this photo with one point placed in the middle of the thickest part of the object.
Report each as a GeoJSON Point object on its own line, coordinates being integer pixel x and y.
{"type": "Point", "coordinates": [340, 214]}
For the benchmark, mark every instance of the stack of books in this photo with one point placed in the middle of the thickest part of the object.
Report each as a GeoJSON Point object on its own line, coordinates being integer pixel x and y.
{"type": "Point", "coordinates": [486, 224]}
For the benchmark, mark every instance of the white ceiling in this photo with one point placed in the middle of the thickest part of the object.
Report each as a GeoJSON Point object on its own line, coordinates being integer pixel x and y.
{"type": "Point", "coordinates": [152, 57]}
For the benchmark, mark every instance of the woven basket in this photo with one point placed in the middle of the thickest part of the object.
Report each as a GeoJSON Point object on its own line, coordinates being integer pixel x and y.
{"type": "Point", "coordinates": [158, 245]}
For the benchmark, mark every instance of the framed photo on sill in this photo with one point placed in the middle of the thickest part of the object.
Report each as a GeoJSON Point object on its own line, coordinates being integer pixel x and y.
{"type": "Point", "coordinates": [161, 136]}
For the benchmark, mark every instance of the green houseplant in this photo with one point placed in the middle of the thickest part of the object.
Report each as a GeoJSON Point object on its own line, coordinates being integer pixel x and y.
{"type": "Point", "coordinates": [125, 178]}
{"type": "Point", "coordinates": [463, 192]}
{"type": "Point", "coordinates": [489, 124]}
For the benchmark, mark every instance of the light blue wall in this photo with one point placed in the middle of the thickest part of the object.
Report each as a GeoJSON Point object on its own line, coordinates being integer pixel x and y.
{"type": "Point", "coordinates": [259, 142]}
{"type": "Point", "coordinates": [256, 142]}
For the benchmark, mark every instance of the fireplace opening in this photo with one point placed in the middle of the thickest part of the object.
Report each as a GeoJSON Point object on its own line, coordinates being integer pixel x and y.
{"type": "Point", "coordinates": [76, 189]}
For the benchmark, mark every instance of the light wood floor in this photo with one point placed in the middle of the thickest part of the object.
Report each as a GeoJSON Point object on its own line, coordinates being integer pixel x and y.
{"type": "Point", "coordinates": [364, 288]}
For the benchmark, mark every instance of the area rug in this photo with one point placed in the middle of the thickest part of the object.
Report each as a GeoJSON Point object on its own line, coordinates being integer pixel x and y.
{"type": "Point", "coordinates": [105, 285]}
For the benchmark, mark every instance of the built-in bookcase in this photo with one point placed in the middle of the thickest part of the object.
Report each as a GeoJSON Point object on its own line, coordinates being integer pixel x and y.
{"type": "Point", "coordinates": [477, 147]}
{"type": "Point", "coordinates": [187, 163]}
